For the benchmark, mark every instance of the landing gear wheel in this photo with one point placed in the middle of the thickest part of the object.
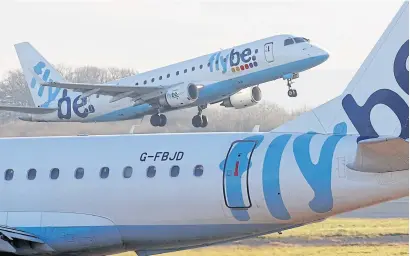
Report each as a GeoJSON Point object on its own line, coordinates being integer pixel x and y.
{"type": "Point", "coordinates": [155, 120]}
{"type": "Point", "coordinates": [204, 121]}
{"type": "Point", "coordinates": [162, 120]}
{"type": "Point", "coordinates": [197, 121]}
{"type": "Point", "coordinates": [158, 120]}
{"type": "Point", "coordinates": [292, 93]}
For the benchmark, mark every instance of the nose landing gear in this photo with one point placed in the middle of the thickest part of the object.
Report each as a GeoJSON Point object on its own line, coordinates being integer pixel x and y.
{"type": "Point", "coordinates": [291, 92]}
{"type": "Point", "coordinates": [289, 78]}
{"type": "Point", "coordinates": [200, 120]}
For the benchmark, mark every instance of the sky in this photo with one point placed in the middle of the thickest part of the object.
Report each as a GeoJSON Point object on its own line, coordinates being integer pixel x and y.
{"type": "Point", "coordinates": [145, 35]}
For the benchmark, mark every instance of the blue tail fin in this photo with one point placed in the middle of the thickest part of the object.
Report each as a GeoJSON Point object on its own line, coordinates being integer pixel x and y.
{"type": "Point", "coordinates": [375, 103]}
{"type": "Point", "coordinates": [30, 61]}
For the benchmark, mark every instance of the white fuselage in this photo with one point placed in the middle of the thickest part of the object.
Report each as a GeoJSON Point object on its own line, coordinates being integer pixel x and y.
{"type": "Point", "coordinates": [163, 213]}
{"type": "Point", "coordinates": [222, 73]}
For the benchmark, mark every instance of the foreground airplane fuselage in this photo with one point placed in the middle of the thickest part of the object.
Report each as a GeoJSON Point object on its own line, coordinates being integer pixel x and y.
{"type": "Point", "coordinates": [219, 75]}
{"type": "Point", "coordinates": [164, 192]}
{"type": "Point", "coordinates": [148, 198]}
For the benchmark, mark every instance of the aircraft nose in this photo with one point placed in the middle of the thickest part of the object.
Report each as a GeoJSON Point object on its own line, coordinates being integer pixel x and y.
{"type": "Point", "coordinates": [317, 53]}
{"type": "Point", "coordinates": [324, 55]}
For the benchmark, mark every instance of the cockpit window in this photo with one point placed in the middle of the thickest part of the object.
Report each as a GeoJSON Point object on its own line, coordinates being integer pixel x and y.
{"type": "Point", "coordinates": [289, 41]}
{"type": "Point", "coordinates": [299, 40]}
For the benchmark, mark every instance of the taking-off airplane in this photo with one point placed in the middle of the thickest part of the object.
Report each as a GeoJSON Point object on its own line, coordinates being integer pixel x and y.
{"type": "Point", "coordinates": [93, 195]}
{"type": "Point", "coordinates": [229, 77]}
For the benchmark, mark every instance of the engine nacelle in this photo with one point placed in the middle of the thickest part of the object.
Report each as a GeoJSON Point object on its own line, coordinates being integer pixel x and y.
{"type": "Point", "coordinates": [244, 98]}
{"type": "Point", "coordinates": [180, 96]}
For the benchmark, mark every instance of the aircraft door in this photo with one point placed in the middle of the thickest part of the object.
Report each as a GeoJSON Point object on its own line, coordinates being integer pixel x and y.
{"type": "Point", "coordinates": [269, 52]}
{"type": "Point", "coordinates": [236, 174]}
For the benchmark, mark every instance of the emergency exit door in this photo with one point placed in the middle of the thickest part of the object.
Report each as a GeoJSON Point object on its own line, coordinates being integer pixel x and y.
{"type": "Point", "coordinates": [269, 52]}
{"type": "Point", "coordinates": [236, 174]}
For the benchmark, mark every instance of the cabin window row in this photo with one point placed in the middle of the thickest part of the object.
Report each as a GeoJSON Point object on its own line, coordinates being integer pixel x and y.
{"type": "Point", "coordinates": [176, 73]}
{"type": "Point", "coordinates": [186, 70]}
{"type": "Point", "coordinates": [105, 172]}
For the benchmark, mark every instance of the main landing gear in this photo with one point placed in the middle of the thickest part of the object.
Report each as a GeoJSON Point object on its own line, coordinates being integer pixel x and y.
{"type": "Point", "coordinates": [158, 120]}
{"type": "Point", "coordinates": [200, 120]}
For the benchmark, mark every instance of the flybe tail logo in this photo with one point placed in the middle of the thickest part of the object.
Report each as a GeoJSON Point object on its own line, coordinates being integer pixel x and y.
{"type": "Point", "coordinates": [67, 104]}
{"type": "Point", "coordinates": [235, 60]}
{"type": "Point", "coordinates": [360, 115]}
{"type": "Point", "coordinates": [41, 70]}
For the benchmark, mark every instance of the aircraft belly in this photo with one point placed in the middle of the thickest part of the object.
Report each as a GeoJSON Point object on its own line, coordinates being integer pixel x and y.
{"type": "Point", "coordinates": [156, 237]}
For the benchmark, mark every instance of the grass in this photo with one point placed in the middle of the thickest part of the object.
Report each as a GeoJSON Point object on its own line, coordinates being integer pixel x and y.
{"type": "Point", "coordinates": [340, 227]}
{"type": "Point", "coordinates": [331, 228]}
{"type": "Point", "coordinates": [387, 250]}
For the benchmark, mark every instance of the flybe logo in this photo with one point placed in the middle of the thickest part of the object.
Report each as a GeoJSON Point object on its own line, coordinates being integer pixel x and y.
{"type": "Point", "coordinates": [40, 69]}
{"type": "Point", "coordinates": [235, 60]}
{"type": "Point", "coordinates": [360, 115]}
{"type": "Point", "coordinates": [81, 107]}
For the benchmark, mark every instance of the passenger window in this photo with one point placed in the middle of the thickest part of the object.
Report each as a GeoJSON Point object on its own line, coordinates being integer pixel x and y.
{"type": "Point", "coordinates": [79, 173]}
{"type": "Point", "coordinates": [152, 80]}
{"type": "Point", "coordinates": [193, 68]}
{"type": "Point", "coordinates": [288, 41]}
{"type": "Point", "coordinates": [8, 174]}
{"type": "Point", "coordinates": [31, 174]}
{"type": "Point", "coordinates": [145, 82]}
{"type": "Point", "coordinates": [198, 170]}
{"type": "Point", "coordinates": [299, 39]}
{"type": "Point", "coordinates": [168, 75]}
{"type": "Point", "coordinates": [256, 51]}
{"type": "Point", "coordinates": [174, 171]}
{"type": "Point", "coordinates": [160, 77]}
{"type": "Point", "coordinates": [151, 170]}
{"type": "Point", "coordinates": [209, 64]}
{"type": "Point", "coordinates": [54, 173]}
{"type": "Point", "coordinates": [127, 173]}
{"type": "Point", "coordinates": [177, 73]}
{"type": "Point", "coordinates": [136, 83]}
{"type": "Point", "coordinates": [185, 70]}
{"type": "Point", "coordinates": [104, 172]}
{"type": "Point", "coordinates": [201, 66]}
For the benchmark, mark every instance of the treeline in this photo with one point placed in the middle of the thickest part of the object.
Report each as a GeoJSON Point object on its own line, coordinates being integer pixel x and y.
{"type": "Point", "coordinates": [13, 90]}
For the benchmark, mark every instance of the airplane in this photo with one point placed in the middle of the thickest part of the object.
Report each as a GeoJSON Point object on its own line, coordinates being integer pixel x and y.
{"type": "Point", "coordinates": [229, 77]}
{"type": "Point", "coordinates": [157, 193]}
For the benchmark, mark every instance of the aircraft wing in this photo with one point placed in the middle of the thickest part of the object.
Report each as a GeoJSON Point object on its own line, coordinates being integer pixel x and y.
{"type": "Point", "coordinates": [116, 91]}
{"type": "Point", "coordinates": [138, 93]}
{"type": "Point", "coordinates": [27, 109]}
{"type": "Point", "coordinates": [27, 243]}
{"type": "Point", "coordinates": [381, 155]}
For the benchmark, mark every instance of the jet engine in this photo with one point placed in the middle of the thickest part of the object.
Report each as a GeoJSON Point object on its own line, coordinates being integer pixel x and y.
{"type": "Point", "coordinates": [180, 95]}
{"type": "Point", "coordinates": [244, 98]}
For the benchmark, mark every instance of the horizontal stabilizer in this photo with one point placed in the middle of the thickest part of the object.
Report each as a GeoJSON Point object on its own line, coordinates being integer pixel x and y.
{"type": "Point", "coordinates": [28, 110]}
{"type": "Point", "coordinates": [381, 155]}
